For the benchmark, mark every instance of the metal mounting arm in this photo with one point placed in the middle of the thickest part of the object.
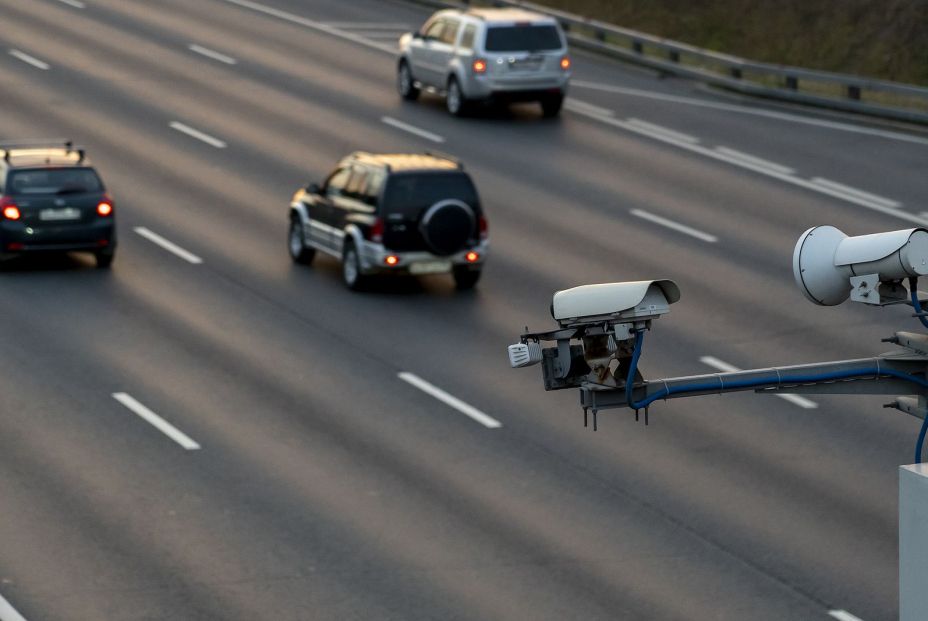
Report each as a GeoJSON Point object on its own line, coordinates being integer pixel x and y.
{"type": "Point", "coordinates": [896, 373]}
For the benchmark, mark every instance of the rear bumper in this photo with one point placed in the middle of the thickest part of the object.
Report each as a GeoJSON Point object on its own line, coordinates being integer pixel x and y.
{"type": "Point", "coordinates": [17, 237]}
{"type": "Point", "coordinates": [373, 260]}
{"type": "Point", "coordinates": [523, 88]}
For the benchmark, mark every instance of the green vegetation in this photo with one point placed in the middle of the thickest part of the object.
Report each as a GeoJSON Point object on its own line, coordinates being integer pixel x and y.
{"type": "Point", "coordinates": [886, 39]}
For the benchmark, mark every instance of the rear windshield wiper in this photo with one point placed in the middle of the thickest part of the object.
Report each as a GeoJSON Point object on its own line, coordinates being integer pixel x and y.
{"type": "Point", "coordinates": [72, 189]}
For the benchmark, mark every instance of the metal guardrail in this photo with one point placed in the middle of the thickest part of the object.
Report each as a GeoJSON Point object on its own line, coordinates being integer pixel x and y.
{"type": "Point", "coordinates": [882, 98]}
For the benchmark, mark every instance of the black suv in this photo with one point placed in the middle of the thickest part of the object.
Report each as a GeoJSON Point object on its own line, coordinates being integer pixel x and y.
{"type": "Point", "coordinates": [51, 199]}
{"type": "Point", "coordinates": [387, 214]}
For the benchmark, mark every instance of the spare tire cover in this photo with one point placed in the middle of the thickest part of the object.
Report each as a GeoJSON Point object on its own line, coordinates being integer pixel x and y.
{"type": "Point", "coordinates": [447, 225]}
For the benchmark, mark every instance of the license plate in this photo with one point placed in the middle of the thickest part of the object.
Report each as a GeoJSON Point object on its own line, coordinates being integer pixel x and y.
{"type": "Point", "coordinates": [430, 267]}
{"type": "Point", "coordinates": [68, 213]}
{"type": "Point", "coordinates": [532, 63]}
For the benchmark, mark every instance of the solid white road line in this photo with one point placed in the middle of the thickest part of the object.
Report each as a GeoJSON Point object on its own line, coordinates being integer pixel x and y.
{"type": "Point", "coordinates": [412, 129]}
{"type": "Point", "coordinates": [770, 114]}
{"type": "Point", "coordinates": [314, 25]}
{"type": "Point", "coordinates": [457, 404]}
{"type": "Point", "coordinates": [764, 170]}
{"type": "Point", "coordinates": [572, 103]}
{"type": "Point", "coordinates": [846, 189]}
{"type": "Point", "coordinates": [663, 131]}
{"type": "Point", "coordinates": [8, 613]}
{"type": "Point", "coordinates": [676, 226]}
{"type": "Point", "coordinates": [77, 4]}
{"type": "Point", "coordinates": [724, 367]}
{"type": "Point", "coordinates": [168, 245]}
{"type": "Point", "coordinates": [369, 25]}
{"type": "Point", "coordinates": [156, 421]}
{"type": "Point", "coordinates": [751, 159]}
{"type": "Point", "coordinates": [205, 51]}
{"type": "Point", "coordinates": [32, 60]}
{"type": "Point", "coordinates": [195, 133]}
{"type": "Point", "coordinates": [843, 615]}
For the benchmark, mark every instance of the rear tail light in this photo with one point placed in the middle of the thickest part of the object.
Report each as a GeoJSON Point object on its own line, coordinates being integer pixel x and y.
{"type": "Point", "coordinates": [105, 207]}
{"type": "Point", "coordinates": [472, 257]}
{"type": "Point", "coordinates": [565, 63]}
{"type": "Point", "coordinates": [14, 246]}
{"type": "Point", "coordinates": [391, 260]}
{"type": "Point", "coordinates": [10, 210]}
{"type": "Point", "coordinates": [484, 229]}
{"type": "Point", "coordinates": [479, 65]}
{"type": "Point", "coordinates": [376, 232]}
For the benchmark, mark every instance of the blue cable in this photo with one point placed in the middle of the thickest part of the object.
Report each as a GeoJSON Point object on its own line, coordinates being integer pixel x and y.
{"type": "Point", "coordinates": [913, 291]}
{"type": "Point", "coordinates": [917, 306]}
{"type": "Point", "coordinates": [825, 377]}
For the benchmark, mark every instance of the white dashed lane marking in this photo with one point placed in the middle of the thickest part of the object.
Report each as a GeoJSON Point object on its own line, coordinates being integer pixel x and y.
{"type": "Point", "coordinates": [156, 421]}
{"type": "Point", "coordinates": [195, 133]}
{"type": "Point", "coordinates": [168, 245]}
{"type": "Point", "coordinates": [676, 226]}
{"type": "Point", "coordinates": [205, 51]}
{"type": "Point", "coordinates": [452, 401]}
{"type": "Point", "coordinates": [412, 129]}
{"type": "Point", "coordinates": [30, 60]}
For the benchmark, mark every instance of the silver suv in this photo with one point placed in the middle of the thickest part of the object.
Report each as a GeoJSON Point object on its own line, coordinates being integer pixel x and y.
{"type": "Point", "coordinates": [498, 55]}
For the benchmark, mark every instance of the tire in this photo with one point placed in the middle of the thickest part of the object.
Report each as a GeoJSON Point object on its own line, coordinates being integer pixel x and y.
{"type": "Point", "coordinates": [296, 243]}
{"type": "Point", "coordinates": [405, 83]}
{"type": "Point", "coordinates": [351, 268]}
{"type": "Point", "coordinates": [104, 258]}
{"type": "Point", "coordinates": [455, 101]}
{"type": "Point", "coordinates": [551, 106]}
{"type": "Point", "coordinates": [465, 279]}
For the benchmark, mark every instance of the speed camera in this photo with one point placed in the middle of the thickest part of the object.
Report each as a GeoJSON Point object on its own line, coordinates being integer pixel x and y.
{"type": "Point", "coordinates": [829, 266]}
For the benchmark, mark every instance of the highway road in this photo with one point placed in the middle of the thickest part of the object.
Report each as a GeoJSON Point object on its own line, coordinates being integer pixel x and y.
{"type": "Point", "coordinates": [303, 472]}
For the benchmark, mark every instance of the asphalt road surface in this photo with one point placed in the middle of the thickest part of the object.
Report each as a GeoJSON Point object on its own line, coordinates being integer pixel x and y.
{"type": "Point", "coordinates": [303, 472]}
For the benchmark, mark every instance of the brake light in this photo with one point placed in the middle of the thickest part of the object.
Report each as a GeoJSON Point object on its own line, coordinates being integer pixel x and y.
{"type": "Point", "coordinates": [484, 228]}
{"type": "Point", "coordinates": [10, 210]}
{"type": "Point", "coordinates": [479, 65]}
{"type": "Point", "coordinates": [472, 257]}
{"type": "Point", "coordinates": [376, 232]}
{"type": "Point", "coordinates": [391, 259]}
{"type": "Point", "coordinates": [105, 207]}
{"type": "Point", "coordinates": [565, 63]}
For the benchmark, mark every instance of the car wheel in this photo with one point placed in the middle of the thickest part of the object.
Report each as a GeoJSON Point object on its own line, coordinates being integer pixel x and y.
{"type": "Point", "coordinates": [104, 258]}
{"type": "Point", "coordinates": [551, 106]}
{"type": "Point", "coordinates": [465, 278]}
{"type": "Point", "coordinates": [351, 268]}
{"type": "Point", "coordinates": [455, 101]}
{"type": "Point", "coordinates": [405, 83]}
{"type": "Point", "coordinates": [296, 243]}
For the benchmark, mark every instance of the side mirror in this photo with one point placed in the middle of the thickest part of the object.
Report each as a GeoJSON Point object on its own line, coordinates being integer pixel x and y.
{"type": "Point", "coordinates": [417, 35]}
{"type": "Point", "coordinates": [313, 188]}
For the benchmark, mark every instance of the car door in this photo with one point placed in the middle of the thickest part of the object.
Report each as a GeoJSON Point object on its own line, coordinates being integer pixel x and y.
{"type": "Point", "coordinates": [348, 203]}
{"type": "Point", "coordinates": [422, 53]}
{"type": "Point", "coordinates": [321, 215]}
{"type": "Point", "coordinates": [443, 50]}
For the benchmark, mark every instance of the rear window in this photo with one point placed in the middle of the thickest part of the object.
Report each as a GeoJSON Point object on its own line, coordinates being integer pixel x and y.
{"type": "Point", "coordinates": [409, 194]}
{"type": "Point", "coordinates": [54, 181]}
{"type": "Point", "coordinates": [523, 38]}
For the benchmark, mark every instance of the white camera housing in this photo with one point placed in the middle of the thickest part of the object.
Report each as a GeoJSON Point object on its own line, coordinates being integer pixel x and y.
{"type": "Point", "coordinates": [829, 266]}
{"type": "Point", "coordinates": [614, 302]}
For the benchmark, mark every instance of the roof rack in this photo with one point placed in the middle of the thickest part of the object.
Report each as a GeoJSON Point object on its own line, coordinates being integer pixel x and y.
{"type": "Point", "coordinates": [445, 156]}
{"type": "Point", "coordinates": [67, 145]}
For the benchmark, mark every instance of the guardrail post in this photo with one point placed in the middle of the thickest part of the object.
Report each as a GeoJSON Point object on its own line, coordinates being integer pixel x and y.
{"type": "Point", "coordinates": [853, 92]}
{"type": "Point", "coordinates": [674, 56]}
{"type": "Point", "coordinates": [638, 47]}
{"type": "Point", "coordinates": [735, 72]}
{"type": "Point", "coordinates": [792, 82]}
